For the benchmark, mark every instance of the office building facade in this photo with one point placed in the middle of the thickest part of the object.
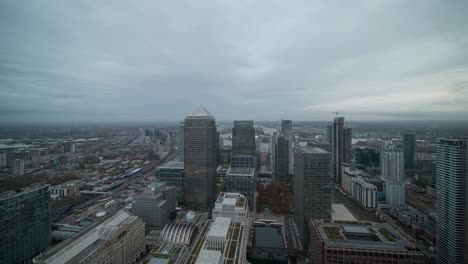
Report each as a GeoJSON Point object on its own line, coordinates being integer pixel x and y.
{"type": "Point", "coordinates": [156, 205]}
{"type": "Point", "coordinates": [172, 173]}
{"type": "Point", "coordinates": [409, 151]}
{"type": "Point", "coordinates": [242, 180]}
{"type": "Point", "coordinates": [286, 131]}
{"type": "Point", "coordinates": [452, 204]}
{"type": "Point", "coordinates": [337, 147]}
{"type": "Point", "coordinates": [243, 138]}
{"type": "Point", "coordinates": [200, 160]}
{"type": "Point", "coordinates": [180, 138]}
{"type": "Point", "coordinates": [25, 223]}
{"type": "Point", "coordinates": [281, 166]}
{"type": "Point", "coordinates": [312, 187]}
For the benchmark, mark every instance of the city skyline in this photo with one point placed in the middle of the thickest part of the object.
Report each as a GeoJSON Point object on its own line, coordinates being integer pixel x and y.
{"type": "Point", "coordinates": [130, 62]}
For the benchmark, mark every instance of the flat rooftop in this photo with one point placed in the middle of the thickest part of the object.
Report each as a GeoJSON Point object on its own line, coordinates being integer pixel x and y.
{"type": "Point", "coordinates": [311, 149]}
{"type": "Point", "coordinates": [241, 171]}
{"type": "Point", "coordinates": [220, 227]}
{"type": "Point", "coordinates": [209, 257]}
{"type": "Point", "coordinates": [30, 188]}
{"type": "Point", "coordinates": [368, 235]}
{"type": "Point", "coordinates": [173, 165]}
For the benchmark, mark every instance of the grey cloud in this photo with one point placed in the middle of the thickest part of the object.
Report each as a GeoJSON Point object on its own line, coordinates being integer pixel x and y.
{"type": "Point", "coordinates": [154, 60]}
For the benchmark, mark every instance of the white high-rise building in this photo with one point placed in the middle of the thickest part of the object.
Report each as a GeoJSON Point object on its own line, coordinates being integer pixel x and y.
{"type": "Point", "coordinates": [394, 193]}
{"type": "Point", "coordinates": [18, 167]}
{"type": "Point", "coordinates": [393, 165]}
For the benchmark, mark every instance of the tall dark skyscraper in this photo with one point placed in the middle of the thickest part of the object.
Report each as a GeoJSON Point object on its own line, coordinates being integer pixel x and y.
{"type": "Point", "coordinates": [180, 147]}
{"type": "Point", "coordinates": [286, 131]}
{"type": "Point", "coordinates": [348, 145]}
{"type": "Point", "coordinates": [338, 147]}
{"type": "Point", "coordinates": [243, 138]}
{"type": "Point", "coordinates": [25, 224]}
{"type": "Point", "coordinates": [329, 132]}
{"type": "Point", "coordinates": [312, 187]}
{"type": "Point", "coordinates": [452, 203]}
{"type": "Point", "coordinates": [281, 159]}
{"type": "Point", "coordinates": [409, 151]}
{"type": "Point", "coordinates": [200, 160]}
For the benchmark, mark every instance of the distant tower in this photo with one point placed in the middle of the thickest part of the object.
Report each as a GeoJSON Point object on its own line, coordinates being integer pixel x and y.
{"type": "Point", "coordinates": [200, 160]}
{"type": "Point", "coordinates": [312, 187]}
{"type": "Point", "coordinates": [18, 168]}
{"type": "Point", "coordinates": [338, 147]}
{"type": "Point", "coordinates": [243, 138]}
{"type": "Point", "coordinates": [409, 151]}
{"type": "Point", "coordinates": [281, 159]}
{"type": "Point", "coordinates": [452, 202]}
{"type": "Point", "coordinates": [181, 147]}
{"type": "Point", "coordinates": [286, 131]}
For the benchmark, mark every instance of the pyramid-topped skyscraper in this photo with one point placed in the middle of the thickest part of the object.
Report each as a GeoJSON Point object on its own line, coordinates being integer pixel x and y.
{"type": "Point", "coordinates": [200, 142]}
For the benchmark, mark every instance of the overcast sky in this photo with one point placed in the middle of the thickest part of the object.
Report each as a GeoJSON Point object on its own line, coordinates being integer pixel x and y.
{"type": "Point", "coordinates": [121, 61]}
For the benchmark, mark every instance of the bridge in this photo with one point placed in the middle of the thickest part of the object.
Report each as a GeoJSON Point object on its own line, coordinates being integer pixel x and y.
{"type": "Point", "coordinates": [289, 252]}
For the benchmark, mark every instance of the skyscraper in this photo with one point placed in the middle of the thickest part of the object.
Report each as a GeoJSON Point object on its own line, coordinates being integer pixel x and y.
{"type": "Point", "coordinates": [392, 165]}
{"type": "Point", "coordinates": [241, 177]}
{"type": "Point", "coordinates": [329, 132]}
{"type": "Point", "coordinates": [409, 151]}
{"type": "Point", "coordinates": [25, 224]}
{"type": "Point", "coordinates": [243, 138]}
{"type": "Point", "coordinates": [312, 187]}
{"type": "Point", "coordinates": [348, 145]}
{"type": "Point", "coordinates": [286, 131]}
{"type": "Point", "coordinates": [337, 147]}
{"type": "Point", "coordinates": [452, 204]}
{"type": "Point", "coordinates": [200, 141]}
{"type": "Point", "coordinates": [181, 147]}
{"type": "Point", "coordinates": [281, 159]}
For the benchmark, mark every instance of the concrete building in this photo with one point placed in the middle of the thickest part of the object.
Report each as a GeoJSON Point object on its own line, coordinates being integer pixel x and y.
{"type": "Point", "coordinates": [180, 137]}
{"type": "Point", "coordinates": [349, 173]}
{"type": "Point", "coordinates": [348, 145]}
{"type": "Point", "coordinates": [286, 131]}
{"type": "Point", "coordinates": [200, 160]}
{"type": "Point", "coordinates": [392, 165]}
{"type": "Point", "coordinates": [207, 256]}
{"type": "Point", "coordinates": [25, 225]}
{"type": "Point", "coordinates": [242, 180]}
{"type": "Point", "coordinates": [65, 189]}
{"type": "Point", "coordinates": [409, 216]}
{"type": "Point", "coordinates": [120, 239]}
{"type": "Point", "coordinates": [312, 187]}
{"type": "Point", "coordinates": [233, 205]}
{"type": "Point", "coordinates": [68, 147]}
{"type": "Point", "coordinates": [336, 243]}
{"type": "Point", "coordinates": [452, 203]}
{"type": "Point", "coordinates": [364, 193]}
{"type": "Point", "coordinates": [227, 237]}
{"type": "Point", "coordinates": [172, 173]}
{"type": "Point", "coordinates": [243, 138]}
{"type": "Point", "coordinates": [3, 159]}
{"type": "Point", "coordinates": [394, 193]}
{"type": "Point", "coordinates": [409, 151]}
{"type": "Point", "coordinates": [155, 205]}
{"type": "Point", "coordinates": [18, 167]}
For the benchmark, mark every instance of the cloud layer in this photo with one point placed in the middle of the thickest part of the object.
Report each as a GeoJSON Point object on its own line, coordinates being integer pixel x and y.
{"type": "Point", "coordinates": [124, 61]}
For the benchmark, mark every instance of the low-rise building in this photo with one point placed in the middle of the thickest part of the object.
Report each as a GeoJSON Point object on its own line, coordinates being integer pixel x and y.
{"type": "Point", "coordinates": [409, 216]}
{"type": "Point", "coordinates": [334, 242]}
{"type": "Point", "coordinates": [233, 205]}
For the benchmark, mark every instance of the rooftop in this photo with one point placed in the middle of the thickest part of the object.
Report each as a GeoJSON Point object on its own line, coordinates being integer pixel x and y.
{"type": "Point", "coordinates": [200, 112]}
{"type": "Point", "coordinates": [220, 227]}
{"type": "Point", "coordinates": [310, 149]}
{"type": "Point", "coordinates": [87, 241]}
{"type": "Point", "coordinates": [30, 188]}
{"type": "Point", "coordinates": [209, 257]}
{"type": "Point", "coordinates": [241, 171]}
{"type": "Point", "coordinates": [377, 236]}
{"type": "Point", "coordinates": [235, 200]}
{"type": "Point", "coordinates": [173, 165]}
